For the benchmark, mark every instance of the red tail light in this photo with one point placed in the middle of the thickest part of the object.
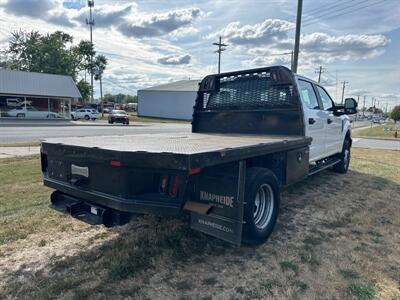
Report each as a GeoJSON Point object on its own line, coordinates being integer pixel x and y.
{"type": "Point", "coordinates": [163, 184]}
{"type": "Point", "coordinates": [174, 186]}
{"type": "Point", "coordinates": [115, 163]}
{"type": "Point", "coordinates": [194, 171]}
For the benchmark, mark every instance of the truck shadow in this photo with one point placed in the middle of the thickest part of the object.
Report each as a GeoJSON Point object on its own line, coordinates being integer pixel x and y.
{"type": "Point", "coordinates": [156, 256]}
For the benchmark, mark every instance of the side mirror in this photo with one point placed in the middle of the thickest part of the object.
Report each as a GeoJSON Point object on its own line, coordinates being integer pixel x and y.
{"type": "Point", "coordinates": [350, 106]}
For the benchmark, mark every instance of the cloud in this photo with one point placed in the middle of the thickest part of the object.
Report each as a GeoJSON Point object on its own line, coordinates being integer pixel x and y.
{"type": "Point", "coordinates": [60, 19]}
{"type": "Point", "coordinates": [322, 47]}
{"type": "Point", "coordinates": [48, 10]}
{"type": "Point", "coordinates": [271, 30]}
{"type": "Point", "coordinates": [28, 8]}
{"type": "Point", "coordinates": [175, 60]}
{"type": "Point", "coordinates": [156, 25]}
{"type": "Point", "coordinates": [106, 15]}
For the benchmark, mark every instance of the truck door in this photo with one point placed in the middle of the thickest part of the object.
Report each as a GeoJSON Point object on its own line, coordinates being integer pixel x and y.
{"type": "Point", "coordinates": [314, 119]}
{"type": "Point", "coordinates": [333, 126]}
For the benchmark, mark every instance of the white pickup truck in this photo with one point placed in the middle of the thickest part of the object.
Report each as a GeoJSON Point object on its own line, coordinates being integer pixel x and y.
{"type": "Point", "coordinates": [253, 133]}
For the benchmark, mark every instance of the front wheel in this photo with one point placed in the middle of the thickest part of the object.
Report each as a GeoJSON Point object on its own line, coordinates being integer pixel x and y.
{"type": "Point", "coordinates": [87, 118]}
{"type": "Point", "coordinates": [262, 197]}
{"type": "Point", "coordinates": [343, 165]}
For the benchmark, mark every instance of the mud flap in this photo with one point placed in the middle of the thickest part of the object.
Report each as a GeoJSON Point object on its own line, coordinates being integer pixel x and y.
{"type": "Point", "coordinates": [222, 188]}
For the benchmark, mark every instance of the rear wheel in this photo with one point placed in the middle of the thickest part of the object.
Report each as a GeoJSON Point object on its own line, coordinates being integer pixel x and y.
{"type": "Point", "coordinates": [20, 115]}
{"type": "Point", "coordinates": [262, 197]}
{"type": "Point", "coordinates": [343, 165]}
{"type": "Point", "coordinates": [87, 117]}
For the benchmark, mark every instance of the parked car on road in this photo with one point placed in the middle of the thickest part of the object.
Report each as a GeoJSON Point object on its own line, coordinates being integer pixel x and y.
{"type": "Point", "coordinates": [118, 116]}
{"type": "Point", "coordinates": [32, 113]}
{"type": "Point", "coordinates": [376, 120]}
{"type": "Point", "coordinates": [84, 113]}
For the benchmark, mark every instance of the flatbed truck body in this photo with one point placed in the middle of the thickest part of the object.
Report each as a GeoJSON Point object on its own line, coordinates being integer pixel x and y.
{"type": "Point", "coordinates": [247, 127]}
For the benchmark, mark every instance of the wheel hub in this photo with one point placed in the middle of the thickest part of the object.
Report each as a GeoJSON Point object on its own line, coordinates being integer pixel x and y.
{"type": "Point", "coordinates": [263, 206]}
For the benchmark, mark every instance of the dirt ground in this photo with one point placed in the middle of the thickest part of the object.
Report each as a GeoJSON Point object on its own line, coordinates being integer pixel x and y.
{"type": "Point", "coordinates": [337, 237]}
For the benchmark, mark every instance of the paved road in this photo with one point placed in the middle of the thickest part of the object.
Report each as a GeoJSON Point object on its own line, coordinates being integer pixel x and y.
{"type": "Point", "coordinates": [28, 134]}
{"type": "Point", "coordinates": [376, 144]}
{"type": "Point", "coordinates": [21, 134]}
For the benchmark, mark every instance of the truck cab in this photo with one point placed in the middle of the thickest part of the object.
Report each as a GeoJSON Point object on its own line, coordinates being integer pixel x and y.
{"type": "Point", "coordinates": [323, 119]}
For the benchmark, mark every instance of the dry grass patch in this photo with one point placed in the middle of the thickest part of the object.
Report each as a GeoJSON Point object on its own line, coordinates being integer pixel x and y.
{"type": "Point", "coordinates": [337, 237]}
{"type": "Point", "coordinates": [385, 131]}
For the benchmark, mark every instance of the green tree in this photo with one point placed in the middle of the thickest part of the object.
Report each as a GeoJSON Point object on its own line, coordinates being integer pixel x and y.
{"type": "Point", "coordinates": [120, 98]}
{"type": "Point", "coordinates": [52, 53]}
{"type": "Point", "coordinates": [84, 89]}
{"type": "Point", "coordinates": [395, 113]}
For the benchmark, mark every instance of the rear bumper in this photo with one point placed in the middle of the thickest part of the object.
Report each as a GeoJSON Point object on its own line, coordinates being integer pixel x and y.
{"type": "Point", "coordinates": [157, 206]}
{"type": "Point", "coordinates": [119, 120]}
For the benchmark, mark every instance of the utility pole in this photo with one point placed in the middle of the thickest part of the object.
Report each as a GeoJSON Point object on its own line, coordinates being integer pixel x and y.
{"type": "Point", "coordinates": [344, 85]}
{"type": "Point", "coordinates": [320, 70]}
{"type": "Point", "coordinates": [90, 22]}
{"type": "Point", "coordinates": [297, 37]}
{"type": "Point", "coordinates": [364, 107]}
{"type": "Point", "coordinates": [219, 51]}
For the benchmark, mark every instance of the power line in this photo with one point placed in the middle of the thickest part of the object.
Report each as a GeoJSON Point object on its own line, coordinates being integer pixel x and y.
{"type": "Point", "coordinates": [336, 10]}
{"type": "Point", "coordinates": [330, 6]}
{"type": "Point", "coordinates": [219, 51]}
{"type": "Point", "coordinates": [345, 13]}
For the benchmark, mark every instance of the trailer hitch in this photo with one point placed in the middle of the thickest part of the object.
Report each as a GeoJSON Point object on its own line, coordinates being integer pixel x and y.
{"type": "Point", "coordinates": [87, 212]}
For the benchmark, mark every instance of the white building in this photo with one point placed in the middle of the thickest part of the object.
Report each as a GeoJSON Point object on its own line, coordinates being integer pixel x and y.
{"type": "Point", "coordinates": [32, 95]}
{"type": "Point", "coordinates": [174, 100]}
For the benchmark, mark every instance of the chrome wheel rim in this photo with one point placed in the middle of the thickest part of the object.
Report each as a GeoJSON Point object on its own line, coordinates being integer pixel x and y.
{"type": "Point", "coordinates": [263, 206]}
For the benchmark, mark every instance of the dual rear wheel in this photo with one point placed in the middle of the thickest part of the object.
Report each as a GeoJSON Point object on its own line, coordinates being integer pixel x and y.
{"type": "Point", "coordinates": [261, 209]}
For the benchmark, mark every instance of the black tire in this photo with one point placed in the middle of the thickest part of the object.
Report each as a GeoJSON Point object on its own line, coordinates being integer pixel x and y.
{"type": "Point", "coordinates": [72, 117]}
{"type": "Point", "coordinates": [344, 156]}
{"type": "Point", "coordinates": [109, 122]}
{"type": "Point", "coordinates": [260, 224]}
{"type": "Point", "coordinates": [87, 117]}
{"type": "Point", "coordinates": [127, 123]}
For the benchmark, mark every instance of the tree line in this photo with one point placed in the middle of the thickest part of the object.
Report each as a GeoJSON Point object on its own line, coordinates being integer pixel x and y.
{"type": "Point", "coordinates": [54, 53]}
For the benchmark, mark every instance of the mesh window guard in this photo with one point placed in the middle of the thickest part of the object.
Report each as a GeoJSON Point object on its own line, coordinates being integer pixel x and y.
{"type": "Point", "coordinates": [252, 91]}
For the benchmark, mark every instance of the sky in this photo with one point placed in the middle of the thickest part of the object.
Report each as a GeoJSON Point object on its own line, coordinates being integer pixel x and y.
{"type": "Point", "coordinates": [149, 42]}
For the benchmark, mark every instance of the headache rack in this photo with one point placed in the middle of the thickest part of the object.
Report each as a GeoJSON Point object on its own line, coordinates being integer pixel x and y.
{"type": "Point", "coordinates": [257, 101]}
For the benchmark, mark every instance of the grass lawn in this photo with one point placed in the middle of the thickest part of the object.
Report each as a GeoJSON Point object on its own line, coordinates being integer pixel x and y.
{"type": "Point", "coordinates": [28, 144]}
{"type": "Point", "coordinates": [337, 237]}
{"type": "Point", "coordinates": [381, 131]}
